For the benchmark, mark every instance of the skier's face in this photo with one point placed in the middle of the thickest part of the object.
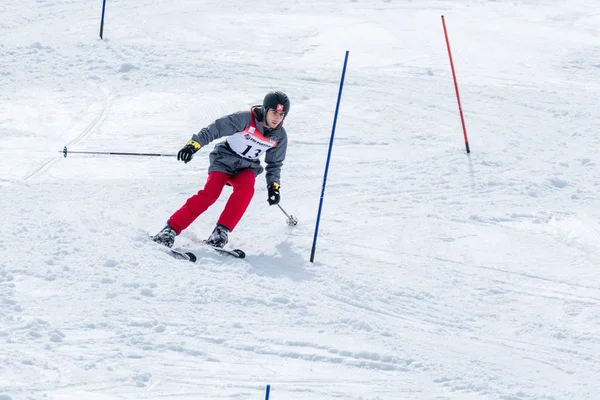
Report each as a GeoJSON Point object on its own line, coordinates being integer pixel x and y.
{"type": "Point", "coordinates": [274, 118]}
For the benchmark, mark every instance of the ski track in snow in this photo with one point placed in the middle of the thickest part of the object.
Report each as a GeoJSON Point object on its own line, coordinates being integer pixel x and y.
{"type": "Point", "coordinates": [83, 134]}
{"type": "Point", "coordinates": [437, 275]}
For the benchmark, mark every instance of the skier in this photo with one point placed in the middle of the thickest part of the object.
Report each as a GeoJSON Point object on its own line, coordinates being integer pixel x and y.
{"type": "Point", "coordinates": [235, 162]}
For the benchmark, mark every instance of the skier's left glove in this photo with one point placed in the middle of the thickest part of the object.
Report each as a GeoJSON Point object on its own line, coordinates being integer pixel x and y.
{"type": "Point", "coordinates": [187, 152]}
{"type": "Point", "coordinates": [273, 193]}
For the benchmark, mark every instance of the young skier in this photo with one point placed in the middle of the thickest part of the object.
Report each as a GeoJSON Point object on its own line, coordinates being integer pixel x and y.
{"type": "Point", "coordinates": [234, 161]}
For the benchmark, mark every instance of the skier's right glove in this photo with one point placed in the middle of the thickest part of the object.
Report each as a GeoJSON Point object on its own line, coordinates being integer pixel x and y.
{"type": "Point", "coordinates": [187, 152]}
{"type": "Point", "coordinates": [273, 193]}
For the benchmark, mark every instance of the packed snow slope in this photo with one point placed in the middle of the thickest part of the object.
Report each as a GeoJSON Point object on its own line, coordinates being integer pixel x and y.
{"type": "Point", "coordinates": [437, 274]}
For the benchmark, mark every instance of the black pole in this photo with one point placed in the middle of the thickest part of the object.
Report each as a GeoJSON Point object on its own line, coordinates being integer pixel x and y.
{"type": "Point", "coordinates": [116, 153]}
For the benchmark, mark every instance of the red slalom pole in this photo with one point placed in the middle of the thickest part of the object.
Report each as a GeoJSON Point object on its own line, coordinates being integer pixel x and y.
{"type": "Point", "coordinates": [462, 118]}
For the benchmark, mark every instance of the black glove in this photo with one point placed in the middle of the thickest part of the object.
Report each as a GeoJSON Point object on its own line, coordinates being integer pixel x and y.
{"type": "Point", "coordinates": [187, 152]}
{"type": "Point", "coordinates": [273, 193]}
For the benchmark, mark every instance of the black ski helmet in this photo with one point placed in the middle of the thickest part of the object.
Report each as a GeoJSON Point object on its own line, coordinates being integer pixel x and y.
{"type": "Point", "coordinates": [276, 100]}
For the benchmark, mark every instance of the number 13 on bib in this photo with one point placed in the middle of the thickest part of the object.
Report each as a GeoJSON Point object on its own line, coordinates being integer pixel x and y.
{"type": "Point", "coordinates": [250, 143]}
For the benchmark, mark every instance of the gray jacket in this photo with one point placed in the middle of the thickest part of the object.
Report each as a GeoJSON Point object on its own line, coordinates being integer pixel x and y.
{"type": "Point", "coordinates": [223, 159]}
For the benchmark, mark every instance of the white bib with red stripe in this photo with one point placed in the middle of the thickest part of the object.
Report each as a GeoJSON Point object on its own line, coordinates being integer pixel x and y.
{"type": "Point", "coordinates": [250, 143]}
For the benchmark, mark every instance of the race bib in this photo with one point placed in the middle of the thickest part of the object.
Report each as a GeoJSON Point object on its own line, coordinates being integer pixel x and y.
{"type": "Point", "coordinates": [250, 143]}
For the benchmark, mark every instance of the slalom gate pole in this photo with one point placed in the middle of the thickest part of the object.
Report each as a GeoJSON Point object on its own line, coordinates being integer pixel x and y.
{"type": "Point", "coordinates": [462, 118]}
{"type": "Point", "coordinates": [337, 108]}
{"type": "Point", "coordinates": [102, 19]}
{"type": "Point", "coordinates": [268, 392]}
{"type": "Point", "coordinates": [115, 153]}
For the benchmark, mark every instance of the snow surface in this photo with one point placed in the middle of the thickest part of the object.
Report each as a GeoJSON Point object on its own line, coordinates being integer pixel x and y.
{"type": "Point", "coordinates": [437, 275]}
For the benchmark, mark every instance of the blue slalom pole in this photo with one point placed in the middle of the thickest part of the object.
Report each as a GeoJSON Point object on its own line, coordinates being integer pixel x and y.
{"type": "Point", "coordinates": [268, 392]}
{"type": "Point", "coordinates": [337, 108]}
{"type": "Point", "coordinates": [102, 19]}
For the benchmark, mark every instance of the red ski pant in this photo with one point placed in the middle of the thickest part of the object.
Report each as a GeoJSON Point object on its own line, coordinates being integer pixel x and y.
{"type": "Point", "coordinates": [243, 191]}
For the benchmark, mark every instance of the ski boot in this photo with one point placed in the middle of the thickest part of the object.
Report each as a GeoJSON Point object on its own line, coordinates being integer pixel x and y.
{"type": "Point", "coordinates": [218, 238]}
{"type": "Point", "coordinates": [166, 236]}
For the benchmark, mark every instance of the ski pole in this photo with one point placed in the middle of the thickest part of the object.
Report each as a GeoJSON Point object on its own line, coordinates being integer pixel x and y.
{"type": "Point", "coordinates": [115, 153]}
{"type": "Point", "coordinates": [291, 220]}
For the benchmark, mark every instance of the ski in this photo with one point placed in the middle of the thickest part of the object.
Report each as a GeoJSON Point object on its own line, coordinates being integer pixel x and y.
{"type": "Point", "coordinates": [181, 255]}
{"type": "Point", "coordinates": [178, 254]}
{"type": "Point", "coordinates": [189, 256]}
{"type": "Point", "coordinates": [237, 253]}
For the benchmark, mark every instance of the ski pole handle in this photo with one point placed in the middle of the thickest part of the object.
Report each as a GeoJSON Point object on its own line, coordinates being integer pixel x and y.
{"type": "Point", "coordinates": [116, 153]}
